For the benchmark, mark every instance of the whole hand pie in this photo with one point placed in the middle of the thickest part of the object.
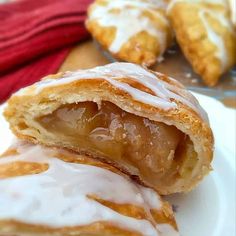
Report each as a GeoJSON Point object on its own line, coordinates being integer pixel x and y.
{"type": "Point", "coordinates": [131, 30]}
{"type": "Point", "coordinates": [55, 192]}
{"type": "Point", "coordinates": [143, 122]}
{"type": "Point", "coordinates": [206, 35]}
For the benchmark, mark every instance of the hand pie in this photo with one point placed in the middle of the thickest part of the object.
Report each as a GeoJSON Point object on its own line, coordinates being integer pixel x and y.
{"type": "Point", "coordinates": [206, 36]}
{"type": "Point", "coordinates": [54, 192]}
{"type": "Point", "coordinates": [131, 30]}
{"type": "Point", "coordinates": [143, 122]}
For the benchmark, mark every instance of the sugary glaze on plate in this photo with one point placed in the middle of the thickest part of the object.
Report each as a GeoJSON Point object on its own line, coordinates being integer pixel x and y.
{"type": "Point", "coordinates": [56, 191]}
{"type": "Point", "coordinates": [139, 108]}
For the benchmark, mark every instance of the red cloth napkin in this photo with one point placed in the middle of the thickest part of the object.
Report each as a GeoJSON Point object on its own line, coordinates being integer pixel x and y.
{"type": "Point", "coordinates": [35, 37]}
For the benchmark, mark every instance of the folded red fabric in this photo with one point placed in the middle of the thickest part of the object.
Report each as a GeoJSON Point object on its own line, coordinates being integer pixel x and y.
{"type": "Point", "coordinates": [31, 29]}
{"type": "Point", "coordinates": [30, 73]}
{"type": "Point", "coordinates": [45, 42]}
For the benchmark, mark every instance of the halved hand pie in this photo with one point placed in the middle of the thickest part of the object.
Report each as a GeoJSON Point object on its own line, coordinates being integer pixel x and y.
{"type": "Point", "coordinates": [55, 192]}
{"type": "Point", "coordinates": [140, 121]}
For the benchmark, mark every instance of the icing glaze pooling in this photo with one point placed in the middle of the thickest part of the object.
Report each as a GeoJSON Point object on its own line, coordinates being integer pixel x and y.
{"type": "Point", "coordinates": [164, 92]}
{"type": "Point", "coordinates": [58, 196]}
{"type": "Point", "coordinates": [130, 20]}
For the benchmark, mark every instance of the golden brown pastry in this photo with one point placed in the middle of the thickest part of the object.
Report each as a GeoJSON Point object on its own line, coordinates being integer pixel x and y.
{"type": "Point", "coordinates": [131, 30]}
{"type": "Point", "coordinates": [206, 36]}
{"type": "Point", "coordinates": [143, 122]}
{"type": "Point", "coordinates": [54, 192]}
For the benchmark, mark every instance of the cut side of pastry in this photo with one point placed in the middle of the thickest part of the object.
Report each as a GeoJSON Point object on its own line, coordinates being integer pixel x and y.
{"type": "Point", "coordinates": [206, 35]}
{"type": "Point", "coordinates": [56, 192]}
{"type": "Point", "coordinates": [142, 122]}
{"type": "Point", "coordinates": [131, 30]}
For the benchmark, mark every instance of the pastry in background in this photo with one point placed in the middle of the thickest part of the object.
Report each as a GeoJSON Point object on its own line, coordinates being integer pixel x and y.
{"type": "Point", "coordinates": [131, 30]}
{"type": "Point", "coordinates": [143, 122]}
{"type": "Point", "coordinates": [206, 36]}
{"type": "Point", "coordinates": [54, 192]}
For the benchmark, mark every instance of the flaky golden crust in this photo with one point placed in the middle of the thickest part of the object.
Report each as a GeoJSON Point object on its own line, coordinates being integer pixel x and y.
{"type": "Point", "coordinates": [197, 43]}
{"type": "Point", "coordinates": [22, 109]}
{"type": "Point", "coordinates": [160, 215]}
{"type": "Point", "coordinates": [10, 228]}
{"type": "Point", "coordinates": [142, 47]}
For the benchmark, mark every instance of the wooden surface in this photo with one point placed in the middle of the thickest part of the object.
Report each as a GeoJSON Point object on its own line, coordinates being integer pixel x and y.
{"type": "Point", "coordinates": [87, 55]}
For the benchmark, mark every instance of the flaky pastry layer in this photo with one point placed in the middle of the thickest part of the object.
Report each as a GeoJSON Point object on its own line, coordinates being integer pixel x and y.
{"type": "Point", "coordinates": [49, 171]}
{"type": "Point", "coordinates": [151, 96]}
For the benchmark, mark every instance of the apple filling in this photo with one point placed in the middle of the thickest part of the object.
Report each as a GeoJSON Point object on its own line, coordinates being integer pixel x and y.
{"type": "Point", "coordinates": [153, 150]}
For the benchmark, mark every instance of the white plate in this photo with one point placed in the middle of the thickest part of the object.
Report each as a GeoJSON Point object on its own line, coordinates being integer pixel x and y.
{"type": "Point", "coordinates": [209, 210]}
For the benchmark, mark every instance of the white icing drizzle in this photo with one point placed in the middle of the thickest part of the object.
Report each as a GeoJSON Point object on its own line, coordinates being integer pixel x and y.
{"type": "Point", "coordinates": [57, 197]}
{"type": "Point", "coordinates": [215, 38]}
{"type": "Point", "coordinates": [173, 2]}
{"type": "Point", "coordinates": [130, 20]}
{"type": "Point", "coordinates": [232, 6]}
{"type": "Point", "coordinates": [164, 92]}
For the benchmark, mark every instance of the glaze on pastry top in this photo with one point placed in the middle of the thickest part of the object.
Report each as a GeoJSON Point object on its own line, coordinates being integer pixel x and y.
{"type": "Point", "coordinates": [70, 184]}
{"type": "Point", "coordinates": [119, 113]}
{"type": "Point", "coordinates": [166, 92]}
{"type": "Point", "coordinates": [220, 14]}
{"type": "Point", "coordinates": [132, 21]}
{"type": "Point", "coordinates": [232, 5]}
